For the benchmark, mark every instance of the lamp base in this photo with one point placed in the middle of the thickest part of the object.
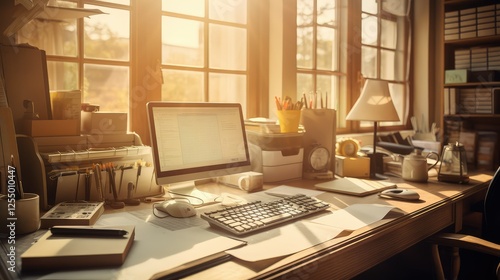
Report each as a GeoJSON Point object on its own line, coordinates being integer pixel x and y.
{"type": "Point", "coordinates": [458, 179]}
{"type": "Point", "coordinates": [377, 166]}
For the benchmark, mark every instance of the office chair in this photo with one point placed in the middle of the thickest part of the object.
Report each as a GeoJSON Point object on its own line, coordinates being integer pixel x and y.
{"type": "Point", "coordinates": [483, 251]}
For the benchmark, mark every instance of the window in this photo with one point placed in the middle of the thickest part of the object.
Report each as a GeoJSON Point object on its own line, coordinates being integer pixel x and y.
{"type": "Point", "coordinates": [384, 50]}
{"type": "Point", "coordinates": [224, 51]}
{"type": "Point", "coordinates": [204, 51]}
{"type": "Point", "coordinates": [318, 50]}
{"type": "Point", "coordinates": [91, 54]}
{"type": "Point", "coordinates": [328, 57]}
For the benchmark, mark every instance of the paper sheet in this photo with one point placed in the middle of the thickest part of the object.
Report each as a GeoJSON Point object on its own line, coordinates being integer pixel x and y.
{"type": "Point", "coordinates": [284, 241]}
{"type": "Point", "coordinates": [306, 233]}
{"type": "Point", "coordinates": [355, 216]}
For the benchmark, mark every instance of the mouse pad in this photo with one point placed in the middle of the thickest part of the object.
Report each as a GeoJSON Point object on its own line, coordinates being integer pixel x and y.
{"type": "Point", "coordinates": [355, 186]}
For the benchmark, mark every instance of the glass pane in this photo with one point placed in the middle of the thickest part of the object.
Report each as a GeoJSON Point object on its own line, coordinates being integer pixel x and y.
{"type": "Point", "coordinates": [107, 86]}
{"type": "Point", "coordinates": [186, 7]}
{"type": "Point", "coordinates": [228, 10]}
{"type": "Point", "coordinates": [62, 75]}
{"type": "Point", "coordinates": [369, 30]}
{"type": "Point", "coordinates": [107, 36]}
{"type": "Point", "coordinates": [389, 34]}
{"type": "Point", "coordinates": [228, 88]}
{"type": "Point", "coordinates": [305, 12]}
{"type": "Point", "coordinates": [326, 12]}
{"type": "Point", "coordinates": [326, 53]}
{"type": "Point", "coordinates": [182, 86]}
{"type": "Point", "coordinates": [182, 42]}
{"type": "Point", "coordinates": [369, 62]}
{"type": "Point", "coordinates": [327, 85]}
{"type": "Point", "coordinates": [369, 6]}
{"type": "Point", "coordinates": [388, 65]}
{"type": "Point", "coordinates": [305, 47]}
{"type": "Point", "coordinates": [55, 37]}
{"type": "Point", "coordinates": [227, 47]}
{"type": "Point", "coordinates": [305, 85]}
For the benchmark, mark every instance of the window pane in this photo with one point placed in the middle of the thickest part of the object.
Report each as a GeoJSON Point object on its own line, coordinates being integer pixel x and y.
{"type": "Point", "coordinates": [107, 86]}
{"type": "Point", "coordinates": [369, 62]}
{"type": "Point", "coordinates": [305, 47]}
{"type": "Point", "coordinates": [62, 75]}
{"type": "Point", "coordinates": [305, 12]}
{"type": "Point", "coordinates": [326, 12]}
{"type": "Point", "coordinates": [369, 6]}
{"type": "Point", "coordinates": [56, 38]}
{"type": "Point", "coordinates": [228, 10]}
{"type": "Point", "coordinates": [182, 86]}
{"type": "Point", "coordinates": [369, 32]}
{"type": "Point", "coordinates": [305, 85]}
{"type": "Point", "coordinates": [327, 85]}
{"type": "Point", "coordinates": [186, 7]}
{"type": "Point", "coordinates": [227, 47]}
{"type": "Point", "coordinates": [228, 88]}
{"type": "Point", "coordinates": [389, 34]}
{"type": "Point", "coordinates": [326, 53]}
{"type": "Point", "coordinates": [182, 42]}
{"type": "Point", "coordinates": [107, 36]}
{"type": "Point", "coordinates": [388, 65]}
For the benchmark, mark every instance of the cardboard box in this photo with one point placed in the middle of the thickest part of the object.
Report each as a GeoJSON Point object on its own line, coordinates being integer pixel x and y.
{"type": "Point", "coordinates": [357, 167]}
{"type": "Point", "coordinates": [456, 76]}
{"type": "Point", "coordinates": [37, 128]}
{"type": "Point", "coordinates": [104, 123]}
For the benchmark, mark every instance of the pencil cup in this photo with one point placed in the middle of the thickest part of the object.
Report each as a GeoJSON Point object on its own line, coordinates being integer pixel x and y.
{"type": "Point", "coordinates": [289, 120]}
{"type": "Point", "coordinates": [19, 216]}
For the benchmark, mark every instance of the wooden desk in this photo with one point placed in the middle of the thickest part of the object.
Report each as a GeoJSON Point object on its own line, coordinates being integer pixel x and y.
{"type": "Point", "coordinates": [442, 205]}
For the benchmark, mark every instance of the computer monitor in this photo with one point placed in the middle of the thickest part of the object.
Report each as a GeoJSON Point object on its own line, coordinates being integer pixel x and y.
{"type": "Point", "coordinates": [192, 141]}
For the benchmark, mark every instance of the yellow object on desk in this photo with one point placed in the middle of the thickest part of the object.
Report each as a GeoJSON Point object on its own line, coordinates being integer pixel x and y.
{"type": "Point", "coordinates": [289, 120]}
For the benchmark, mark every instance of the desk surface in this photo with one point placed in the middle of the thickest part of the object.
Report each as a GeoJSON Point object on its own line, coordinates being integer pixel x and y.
{"type": "Point", "coordinates": [442, 205]}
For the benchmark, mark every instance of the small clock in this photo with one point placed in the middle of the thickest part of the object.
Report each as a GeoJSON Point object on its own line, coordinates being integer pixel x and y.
{"type": "Point", "coordinates": [318, 158]}
{"type": "Point", "coordinates": [347, 147]}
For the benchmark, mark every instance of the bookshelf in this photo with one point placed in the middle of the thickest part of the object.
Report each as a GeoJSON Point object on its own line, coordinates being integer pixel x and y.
{"type": "Point", "coordinates": [471, 88]}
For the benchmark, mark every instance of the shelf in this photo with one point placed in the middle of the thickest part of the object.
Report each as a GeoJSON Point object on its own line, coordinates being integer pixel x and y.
{"type": "Point", "coordinates": [488, 116]}
{"type": "Point", "coordinates": [474, 84]}
{"type": "Point", "coordinates": [494, 39]}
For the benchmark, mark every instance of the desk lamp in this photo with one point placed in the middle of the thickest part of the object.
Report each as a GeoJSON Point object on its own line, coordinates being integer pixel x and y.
{"type": "Point", "coordinates": [375, 104]}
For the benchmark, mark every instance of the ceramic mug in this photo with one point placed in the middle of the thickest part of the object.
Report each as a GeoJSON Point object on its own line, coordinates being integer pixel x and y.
{"type": "Point", "coordinates": [20, 216]}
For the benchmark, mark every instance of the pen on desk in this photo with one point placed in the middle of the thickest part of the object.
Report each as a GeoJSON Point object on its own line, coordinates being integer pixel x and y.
{"type": "Point", "coordinates": [87, 231]}
{"type": "Point", "coordinates": [278, 194]}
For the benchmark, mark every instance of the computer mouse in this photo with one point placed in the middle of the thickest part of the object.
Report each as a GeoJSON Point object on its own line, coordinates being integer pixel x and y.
{"type": "Point", "coordinates": [177, 209]}
{"type": "Point", "coordinates": [404, 194]}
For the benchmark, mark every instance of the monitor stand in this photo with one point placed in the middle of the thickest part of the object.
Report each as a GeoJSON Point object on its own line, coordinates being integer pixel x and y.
{"type": "Point", "coordinates": [187, 191]}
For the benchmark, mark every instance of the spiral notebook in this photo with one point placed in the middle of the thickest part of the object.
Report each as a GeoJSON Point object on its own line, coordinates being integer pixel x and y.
{"type": "Point", "coordinates": [355, 186]}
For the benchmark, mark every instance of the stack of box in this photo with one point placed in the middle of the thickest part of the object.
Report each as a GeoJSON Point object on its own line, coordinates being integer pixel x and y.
{"type": "Point", "coordinates": [479, 101]}
{"type": "Point", "coordinates": [472, 22]}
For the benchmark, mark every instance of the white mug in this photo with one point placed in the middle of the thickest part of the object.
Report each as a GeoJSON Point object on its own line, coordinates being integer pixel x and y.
{"type": "Point", "coordinates": [20, 216]}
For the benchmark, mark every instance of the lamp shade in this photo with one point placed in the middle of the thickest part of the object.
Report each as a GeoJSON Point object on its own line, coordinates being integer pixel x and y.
{"type": "Point", "coordinates": [374, 104]}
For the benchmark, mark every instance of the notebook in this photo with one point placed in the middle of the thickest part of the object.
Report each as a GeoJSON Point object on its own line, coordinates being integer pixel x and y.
{"type": "Point", "coordinates": [71, 252]}
{"type": "Point", "coordinates": [355, 186]}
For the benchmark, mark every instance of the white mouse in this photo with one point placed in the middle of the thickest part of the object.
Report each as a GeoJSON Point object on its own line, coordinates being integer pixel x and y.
{"type": "Point", "coordinates": [400, 194]}
{"type": "Point", "coordinates": [177, 209]}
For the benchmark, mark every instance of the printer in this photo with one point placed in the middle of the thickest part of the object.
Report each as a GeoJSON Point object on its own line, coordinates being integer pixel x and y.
{"type": "Point", "coordinates": [278, 156]}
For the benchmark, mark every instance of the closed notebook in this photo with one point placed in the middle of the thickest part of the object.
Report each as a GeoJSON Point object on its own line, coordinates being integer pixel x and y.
{"type": "Point", "coordinates": [52, 252]}
{"type": "Point", "coordinates": [355, 186]}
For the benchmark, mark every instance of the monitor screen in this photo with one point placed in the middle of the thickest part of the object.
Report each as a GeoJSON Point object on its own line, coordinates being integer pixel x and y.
{"type": "Point", "coordinates": [192, 141]}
